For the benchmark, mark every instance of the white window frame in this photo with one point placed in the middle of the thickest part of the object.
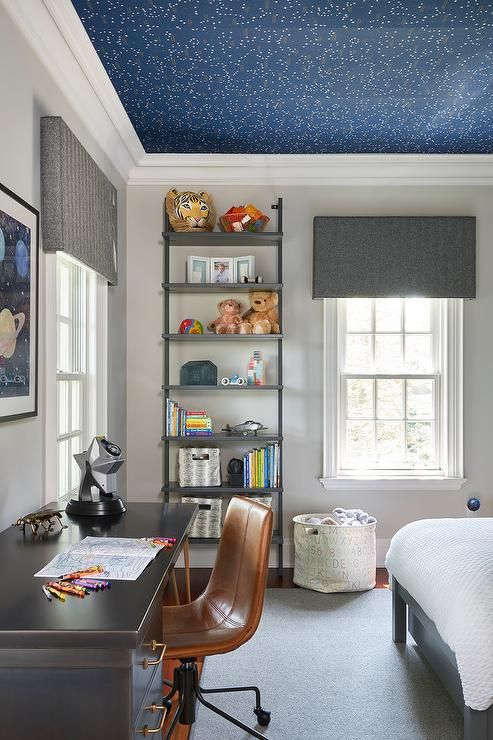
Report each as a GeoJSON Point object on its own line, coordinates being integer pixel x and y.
{"type": "Point", "coordinates": [449, 398]}
{"type": "Point", "coordinates": [94, 412]}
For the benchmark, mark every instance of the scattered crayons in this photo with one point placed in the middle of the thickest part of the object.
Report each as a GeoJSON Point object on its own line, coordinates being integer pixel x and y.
{"type": "Point", "coordinates": [166, 542]}
{"type": "Point", "coordinates": [80, 587]}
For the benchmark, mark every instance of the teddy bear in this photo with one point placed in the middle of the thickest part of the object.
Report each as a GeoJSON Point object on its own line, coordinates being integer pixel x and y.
{"type": "Point", "coordinates": [229, 319]}
{"type": "Point", "coordinates": [262, 316]}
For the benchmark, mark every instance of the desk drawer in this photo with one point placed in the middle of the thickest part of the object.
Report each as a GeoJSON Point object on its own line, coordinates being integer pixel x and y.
{"type": "Point", "coordinates": [147, 719]}
{"type": "Point", "coordinates": [147, 657]}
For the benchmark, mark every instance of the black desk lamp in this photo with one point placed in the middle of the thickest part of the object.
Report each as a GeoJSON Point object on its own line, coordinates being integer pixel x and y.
{"type": "Point", "coordinates": [99, 465]}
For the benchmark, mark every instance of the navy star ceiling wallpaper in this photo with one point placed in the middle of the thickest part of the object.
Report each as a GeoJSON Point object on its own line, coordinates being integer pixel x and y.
{"type": "Point", "coordinates": [287, 76]}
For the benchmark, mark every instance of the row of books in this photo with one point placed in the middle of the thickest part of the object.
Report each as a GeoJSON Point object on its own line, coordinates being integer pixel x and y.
{"type": "Point", "coordinates": [261, 467]}
{"type": "Point", "coordinates": [180, 422]}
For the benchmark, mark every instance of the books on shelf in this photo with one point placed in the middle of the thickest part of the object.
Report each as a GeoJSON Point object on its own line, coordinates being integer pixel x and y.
{"type": "Point", "coordinates": [180, 422]}
{"type": "Point", "coordinates": [261, 467]}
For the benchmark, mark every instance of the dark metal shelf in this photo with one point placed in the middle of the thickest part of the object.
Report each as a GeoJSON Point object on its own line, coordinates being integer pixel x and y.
{"type": "Point", "coordinates": [276, 540]}
{"type": "Point", "coordinates": [242, 439]}
{"type": "Point", "coordinates": [218, 491]}
{"type": "Point", "coordinates": [222, 238]}
{"type": "Point", "coordinates": [222, 337]}
{"type": "Point", "coordinates": [205, 388]}
{"type": "Point", "coordinates": [219, 287]}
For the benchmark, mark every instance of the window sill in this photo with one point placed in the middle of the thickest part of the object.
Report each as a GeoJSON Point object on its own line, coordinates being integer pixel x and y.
{"type": "Point", "coordinates": [409, 483]}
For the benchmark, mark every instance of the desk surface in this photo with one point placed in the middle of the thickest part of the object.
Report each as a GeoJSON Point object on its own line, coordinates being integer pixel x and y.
{"type": "Point", "coordinates": [104, 619]}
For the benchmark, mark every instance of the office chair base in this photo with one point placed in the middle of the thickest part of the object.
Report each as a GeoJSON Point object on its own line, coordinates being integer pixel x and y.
{"type": "Point", "coordinates": [186, 685]}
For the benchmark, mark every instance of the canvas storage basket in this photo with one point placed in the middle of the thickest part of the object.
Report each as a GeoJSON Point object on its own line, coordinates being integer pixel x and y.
{"type": "Point", "coordinates": [208, 520]}
{"type": "Point", "coordinates": [199, 466]}
{"type": "Point", "coordinates": [331, 558]}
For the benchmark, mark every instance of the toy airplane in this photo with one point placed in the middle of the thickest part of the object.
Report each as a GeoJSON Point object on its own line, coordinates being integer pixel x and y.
{"type": "Point", "coordinates": [247, 428]}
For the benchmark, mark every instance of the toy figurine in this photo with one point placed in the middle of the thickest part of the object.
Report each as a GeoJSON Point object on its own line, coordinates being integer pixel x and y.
{"type": "Point", "coordinates": [233, 380]}
{"type": "Point", "coordinates": [190, 211]}
{"type": "Point", "coordinates": [246, 429]}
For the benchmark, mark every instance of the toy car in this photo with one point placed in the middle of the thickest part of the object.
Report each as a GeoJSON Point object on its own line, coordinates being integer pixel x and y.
{"type": "Point", "coordinates": [233, 380]}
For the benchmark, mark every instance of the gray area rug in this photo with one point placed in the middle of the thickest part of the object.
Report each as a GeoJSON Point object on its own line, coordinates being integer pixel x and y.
{"type": "Point", "coordinates": [328, 670]}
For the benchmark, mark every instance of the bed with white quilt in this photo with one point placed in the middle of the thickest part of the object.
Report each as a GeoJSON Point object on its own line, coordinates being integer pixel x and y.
{"type": "Point", "coordinates": [442, 581]}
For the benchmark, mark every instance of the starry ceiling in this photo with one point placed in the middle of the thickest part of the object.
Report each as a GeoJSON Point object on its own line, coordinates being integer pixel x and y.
{"type": "Point", "coordinates": [288, 76]}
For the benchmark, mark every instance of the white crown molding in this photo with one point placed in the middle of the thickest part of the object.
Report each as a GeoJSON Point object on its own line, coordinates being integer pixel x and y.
{"type": "Point", "coordinates": [55, 33]}
{"type": "Point", "coordinates": [313, 169]}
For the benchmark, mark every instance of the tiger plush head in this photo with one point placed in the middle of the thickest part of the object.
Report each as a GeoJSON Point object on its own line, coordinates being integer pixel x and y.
{"type": "Point", "coordinates": [190, 211]}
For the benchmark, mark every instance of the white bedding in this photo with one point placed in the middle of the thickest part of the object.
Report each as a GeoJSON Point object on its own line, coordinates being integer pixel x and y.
{"type": "Point", "coordinates": [447, 566]}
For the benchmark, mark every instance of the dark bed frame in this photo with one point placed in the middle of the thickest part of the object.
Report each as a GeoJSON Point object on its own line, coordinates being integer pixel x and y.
{"type": "Point", "coordinates": [477, 725]}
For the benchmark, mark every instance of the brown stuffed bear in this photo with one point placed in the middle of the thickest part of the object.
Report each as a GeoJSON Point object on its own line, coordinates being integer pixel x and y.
{"type": "Point", "coordinates": [229, 320]}
{"type": "Point", "coordinates": [262, 316]}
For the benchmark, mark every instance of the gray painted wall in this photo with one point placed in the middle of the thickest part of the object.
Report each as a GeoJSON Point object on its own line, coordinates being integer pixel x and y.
{"type": "Point", "coordinates": [303, 346]}
{"type": "Point", "coordinates": [28, 92]}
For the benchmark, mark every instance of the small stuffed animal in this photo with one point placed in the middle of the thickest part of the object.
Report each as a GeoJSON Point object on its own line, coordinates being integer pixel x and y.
{"type": "Point", "coordinates": [190, 211]}
{"type": "Point", "coordinates": [229, 319]}
{"type": "Point", "coordinates": [262, 316]}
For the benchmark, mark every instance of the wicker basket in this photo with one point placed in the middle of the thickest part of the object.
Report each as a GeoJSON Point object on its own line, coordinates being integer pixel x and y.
{"type": "Point", "coordinates": [332, 558]}
{"type": "Point", "coordinates": [208, 520]}
{"type": "Point", "coordinates": [199, 466]}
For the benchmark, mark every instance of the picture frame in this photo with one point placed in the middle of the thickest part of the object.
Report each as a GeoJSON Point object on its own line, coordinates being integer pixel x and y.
{"type": "Point", "coordinates": [19, 279]}
{"type": "Point", "coordinates": [198, 269]}
{"type": "Point", "coordinates": [222, 270]}
{"type": "Point", "coordinates": [244, 267]}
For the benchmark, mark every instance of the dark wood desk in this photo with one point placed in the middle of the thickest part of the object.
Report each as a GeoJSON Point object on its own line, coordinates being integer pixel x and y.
{"type": "Point", "coordinates": [79, 670]}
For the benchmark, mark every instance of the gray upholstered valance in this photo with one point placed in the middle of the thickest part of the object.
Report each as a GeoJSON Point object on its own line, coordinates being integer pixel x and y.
{"type": "Point", "coordinates": [78, 202]}
{"type": "Point", "coordinates": [403, 256]}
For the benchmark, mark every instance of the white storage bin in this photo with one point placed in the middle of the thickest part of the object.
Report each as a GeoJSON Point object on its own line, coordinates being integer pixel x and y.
{"type": "Point", "coordinates": [199, 466]}
{"type": "Point", "coordinates": [208, 520]}
{"type": "Point", "coordinates": [332, 558]}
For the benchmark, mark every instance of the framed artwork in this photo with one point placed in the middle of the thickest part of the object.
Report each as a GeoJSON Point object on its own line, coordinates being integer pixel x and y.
{"type": "Point", "coordinates": [244, 267]}
{"type": "Point", "coordinates": [222, 270]}
{"type": "Point", "coordinates": [19, 243]}
{"type": "Point", "coordinates": [198, 270]}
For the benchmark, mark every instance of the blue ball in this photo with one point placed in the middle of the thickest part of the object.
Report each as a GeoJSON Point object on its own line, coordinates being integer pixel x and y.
{"type": "Point", "coordinates": [473, 504]}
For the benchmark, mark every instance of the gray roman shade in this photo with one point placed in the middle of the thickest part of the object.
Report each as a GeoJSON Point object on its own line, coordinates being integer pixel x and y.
{"type": "Point", "coordinates": [378, 257]}
{"type": "Point", "coordinates": [78, 202]}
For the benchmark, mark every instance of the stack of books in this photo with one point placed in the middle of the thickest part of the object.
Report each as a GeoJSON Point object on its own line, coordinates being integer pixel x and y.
{"type": "Point", "coordinates": [182, 423]}
{"type": "Point", "coordinates": [261, 467]}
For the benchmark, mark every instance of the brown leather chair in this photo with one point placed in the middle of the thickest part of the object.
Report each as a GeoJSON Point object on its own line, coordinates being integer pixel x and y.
{"type": "Point", "coordinates": [226, 615]}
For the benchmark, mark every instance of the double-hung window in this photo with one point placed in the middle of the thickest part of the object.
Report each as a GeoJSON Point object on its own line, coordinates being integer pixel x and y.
{"type": "Point", "coordinates": [81, 364]}
{"type": "Point", "coordinates": [393, 391]}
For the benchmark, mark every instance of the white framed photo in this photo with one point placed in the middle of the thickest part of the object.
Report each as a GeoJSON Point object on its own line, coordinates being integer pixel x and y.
{"type": "Point", "coordinates": [198, 269]}
{"type": "Point", "coordinates": [244, 268]}
{"type": "Point", "coordinates": [222, 270]}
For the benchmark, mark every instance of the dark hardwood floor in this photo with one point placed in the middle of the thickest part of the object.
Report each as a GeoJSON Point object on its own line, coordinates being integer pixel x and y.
{"type": "Point", "coordinates": [198, 580]}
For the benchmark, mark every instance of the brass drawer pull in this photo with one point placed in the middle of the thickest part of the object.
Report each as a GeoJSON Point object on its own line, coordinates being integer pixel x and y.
{"type": "Point", "coordinates": [146, 731]}
{"type": "Point", "coordinates": [154, 645]}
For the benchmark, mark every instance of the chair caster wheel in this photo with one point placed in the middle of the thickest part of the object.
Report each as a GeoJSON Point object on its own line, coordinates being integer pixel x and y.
{"type": "Point", "coordinates": [263, 717]}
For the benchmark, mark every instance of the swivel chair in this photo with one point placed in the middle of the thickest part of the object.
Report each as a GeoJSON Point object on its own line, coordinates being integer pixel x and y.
{"type": "Point", "coordinates": [225, 616]}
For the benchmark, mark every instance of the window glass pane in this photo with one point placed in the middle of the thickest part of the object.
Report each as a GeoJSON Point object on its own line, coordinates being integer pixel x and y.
{"type": "Point", "coordinates": [76, 446]}
{"type": "Point", "coordinates": [418, 314]}
{"type": "Point", "coordinates": [63, 289]}
{"type": "Point", "coordinates": [419, 442]}
{"type": "Point", "coordinates": [63, 455]}
{"type": "Point", "coordinates": [389, 442]}
{"type": "Point", "coordinates": [358, 353]}
{"type": "Point", "coordinates": [76, 399]}
{"type": "Point", "coordinates": [420, 399]}
{"type": "Point", "coordinates": [63, 406]}
{"type": "Point", "coordinates": [388, 314]}
{"type": "Point", "coordinates": [389, 399]}
{"type": "Point", "coordinates": [388, 353]}
{"type": "Point", "coordinates": [63, 348]}
{"type": "Point", "coordinates": [358, 314]}
{"type": "Point", "coordinates": [418, 352]}
{"type": "Point", "coordinates": [360, 399]}
{"type": "Point", "coordinates": [359, 442]}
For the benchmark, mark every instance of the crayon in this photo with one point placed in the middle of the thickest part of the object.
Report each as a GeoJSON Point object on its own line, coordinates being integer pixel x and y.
{"type": "Point", "coordinates": [91, 585]}
{"type": "Point", "coordinates": [66, 588]}
{"type": "Point", "coordinates": [56, 593]}
{"type": "Point", "coordinates": [47, 593]}
{"type": "Point", "coordinates": [81, 573]}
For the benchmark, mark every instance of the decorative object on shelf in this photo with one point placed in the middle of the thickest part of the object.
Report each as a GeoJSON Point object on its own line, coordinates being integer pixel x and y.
{"type": "Point", "coordinates": [256, 279]}
{"type": "Point", "coordinates": [199, 466]}
{"type": "Point", "coordinates": [247, 428]}
{"type": "Point", "coordinates": [198, 269]}
{"type": "Point", "coordinates": [262, 316]}
{"type": "Point", "coordinates": [243, 218]}
{"type": "Point", "coordinates": [229, 319]}
{"type": "Point", "coordinates": [191, 326]}
{"type": "Point", "coordinates": [98, 484]}
{"type": "Point", "coordinates": [235, 472]}
{"type": "Point", "coordinates": [261, 467]}
{"type": "Point", "coordinates": [473, 506]}
{"type": "Point", "coordinates": [222, 270]}
{"type": "Point", "coordinates": [189, 211]}
{"type": "Point", "coordinates": [244, 268]}
{"type": "Point", "coordinates": [207, 523]}
{"type": "Point", "coordinates": [198, 372]}
{"type": "Point", "coordinates": [44, 518]}
{"type": "Point", "coordinates": [256, 369]}
{"type": "Point", "coordinates": [233, 380]}
{"type": "Point", "coordinates": [19, 227]}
